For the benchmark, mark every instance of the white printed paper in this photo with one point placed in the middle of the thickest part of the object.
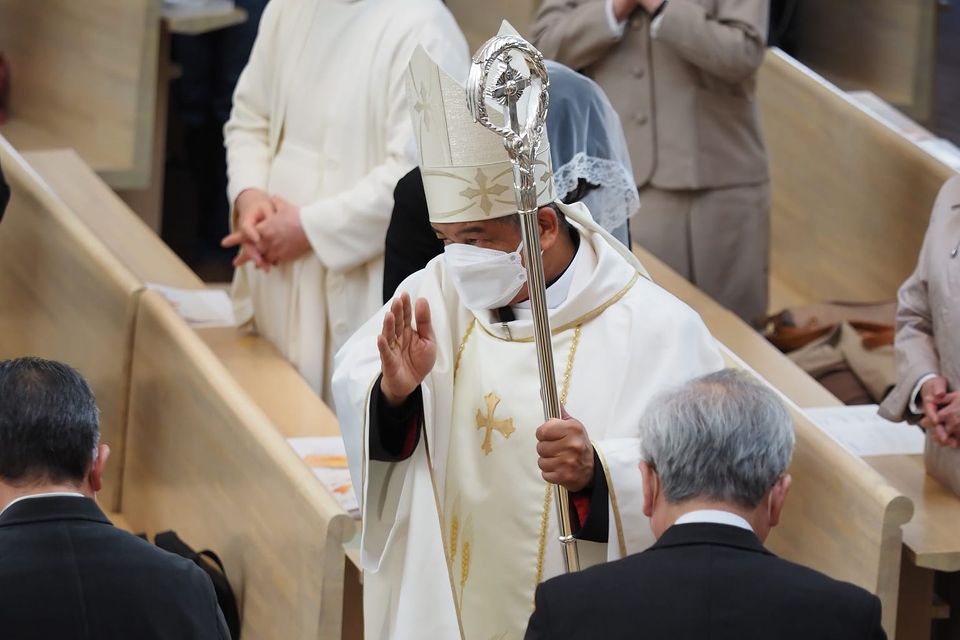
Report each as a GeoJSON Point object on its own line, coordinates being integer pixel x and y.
{"type": "Point", "coordinates": [193, 7]}
{"type": "Point", "coordinates": [199, 307]}
{"type": "Point", "coordinates": [864, 433]}
{"type": "Point", "coordinates": [327, 458]}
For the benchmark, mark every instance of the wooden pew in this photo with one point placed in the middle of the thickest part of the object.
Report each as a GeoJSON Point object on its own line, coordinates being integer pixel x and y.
{"type": "Point", "coordinates": [128, 237]}
{"type": "Point", "coordinates": [84, 75]}
{"type": "Point", "coordinates": [203, 456]}
{"type": "Point", "coordinates": [885, 46]}
{"type": "Point", "coordinates": [286, 407]}
{"type": "Point", "coordinates": [851, 197]}
{"type": "Point", "coordinates": [64, 295]}
{"type": "Point", "coordinates": [842, 517]}
{"type": "Point", "coordinates": [94, 76]}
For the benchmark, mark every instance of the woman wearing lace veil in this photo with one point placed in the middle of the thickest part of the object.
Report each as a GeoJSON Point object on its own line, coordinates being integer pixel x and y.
{"type": "Point", "coordinates": [590, 161]}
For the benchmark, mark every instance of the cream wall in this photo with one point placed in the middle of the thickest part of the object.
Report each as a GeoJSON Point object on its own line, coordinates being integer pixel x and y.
{"type": "Point", "coordinates": [480, 19]}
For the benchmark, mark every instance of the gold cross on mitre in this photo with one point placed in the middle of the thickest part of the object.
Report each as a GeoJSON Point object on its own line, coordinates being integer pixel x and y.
{"type": "Point", "coordinates": [487, 422]}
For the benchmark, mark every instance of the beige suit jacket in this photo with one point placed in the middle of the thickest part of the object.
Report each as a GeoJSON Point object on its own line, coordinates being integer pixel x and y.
{"type": "Point", "coordinates": [928, 307]}
{"type": "Point", "coordinates": [928, 317]}
{"type": "Point", "coordinates": [686, 96]}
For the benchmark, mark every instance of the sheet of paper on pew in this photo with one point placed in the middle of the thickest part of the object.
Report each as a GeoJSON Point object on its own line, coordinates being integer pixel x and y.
{"type": "Point", "coordinates": [862, 432]}
{"type": "Point", "coordinates": [199, 307]}
{"type": "Point", "coordinates": [327, 458]}
{"type": "Point", "coordinates": [186, 8]}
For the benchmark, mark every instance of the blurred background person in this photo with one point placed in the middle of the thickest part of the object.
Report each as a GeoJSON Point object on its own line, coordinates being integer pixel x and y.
{"type": "Point", "coordinates": [196, 213]}
{"type": "Point", "coordinates": [683, 79]}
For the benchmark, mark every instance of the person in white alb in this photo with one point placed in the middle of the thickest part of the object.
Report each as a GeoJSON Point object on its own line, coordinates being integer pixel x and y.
{"type": "Point", "coordinates": [317, 139]}
{"type": "Point", "coordinates": [438, 394]}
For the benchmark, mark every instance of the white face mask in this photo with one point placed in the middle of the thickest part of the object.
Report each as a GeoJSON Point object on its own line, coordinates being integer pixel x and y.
{"type": "Point", "coordinates": [484, 278]}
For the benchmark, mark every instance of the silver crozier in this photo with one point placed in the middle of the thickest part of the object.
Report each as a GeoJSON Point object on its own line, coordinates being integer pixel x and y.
{"type": "Point", "coordinates": [521, 140]}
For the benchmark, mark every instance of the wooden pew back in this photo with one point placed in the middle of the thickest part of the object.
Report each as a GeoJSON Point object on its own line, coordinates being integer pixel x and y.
{"type": "Point", "coordinates": [841, 517]}
{"type": "Point", "coordinates": [212, 465]}
{"type": "Point", "coordinates": [64, 296]}
{"type": "Point", "coordinates": [98, 207]}
{"type": "Point", "coordinates": [84, 75]}
{"type": "Point", "coordinates": [203, 457]}
{"type": "Point", "coordinates": [851, 197]}
{"type": "Point", "coordinates": [885, 46]}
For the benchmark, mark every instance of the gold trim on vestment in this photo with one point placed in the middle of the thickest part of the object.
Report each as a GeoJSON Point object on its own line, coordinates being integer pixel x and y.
{"type": "Point", "coordinates": [544, 524]}
{"type": "Point", "coordinates": [545, 517]}
{"type": "Point", "coordinates": [463, 344]}
{"type": "Point", "coordinates": [436, 501]}
{"type": "Point", "coordinates": [618, 522]}
{"type": "Point", "coordinates": [585, 318]}
{"type": "Point", "coordinates": [363, 444]}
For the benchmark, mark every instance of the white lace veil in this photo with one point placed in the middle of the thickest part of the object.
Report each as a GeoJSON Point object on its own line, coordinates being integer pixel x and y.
{"type": "Point", "coordinates": [587, 142]}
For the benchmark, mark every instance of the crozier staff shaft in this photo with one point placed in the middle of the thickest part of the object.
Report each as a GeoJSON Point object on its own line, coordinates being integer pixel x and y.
{"type": "Point", "coordinates": [521, 140]}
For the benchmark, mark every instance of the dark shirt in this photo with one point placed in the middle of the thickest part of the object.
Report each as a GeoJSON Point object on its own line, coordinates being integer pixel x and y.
{"type": "Point", "coordinates": [4, 194]}
{"type": "Point", "coordinates": [411, 242]}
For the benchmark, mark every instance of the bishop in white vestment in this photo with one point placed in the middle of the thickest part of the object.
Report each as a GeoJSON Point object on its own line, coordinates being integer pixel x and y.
{"type": "Point", "coordinates": [317, 139]}
{"type": "Point", "coordinates": [439, 401]}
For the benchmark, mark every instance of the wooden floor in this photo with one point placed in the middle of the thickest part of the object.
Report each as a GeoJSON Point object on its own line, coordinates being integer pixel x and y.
{"type": "Point", "coordinates": [947, 101]}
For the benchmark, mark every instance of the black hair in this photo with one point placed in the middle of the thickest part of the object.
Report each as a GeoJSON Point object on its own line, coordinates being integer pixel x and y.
{"type": "Point", "coordinates": [49, 422]}
{"type": "Point", "coordinates": [514, 219]}
{"type": "Point", "coordinates": [579, 192]}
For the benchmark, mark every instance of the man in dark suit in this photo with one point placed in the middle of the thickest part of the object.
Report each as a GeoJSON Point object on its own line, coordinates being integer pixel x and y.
{"type": "Point", "coordinates": [4, 194]}
{"type": "Point", "coordinates": [714, 458]}
{"type": "Point", "coordinates": [65, 571]}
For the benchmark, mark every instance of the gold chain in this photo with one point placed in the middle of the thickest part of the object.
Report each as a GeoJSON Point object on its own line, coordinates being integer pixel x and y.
{"type": "Point", "coordinates": [545, 515]}
{"type": "Point", "coordinates": [569, 370]}
{"type": "Point", "coordinates": [463, 344]}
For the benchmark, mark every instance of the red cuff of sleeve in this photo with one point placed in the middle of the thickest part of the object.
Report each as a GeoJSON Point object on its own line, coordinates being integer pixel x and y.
{"type": "Point", "coordinates": [581, 502]}
{"type": "Point", "coordinates": [410, 438]}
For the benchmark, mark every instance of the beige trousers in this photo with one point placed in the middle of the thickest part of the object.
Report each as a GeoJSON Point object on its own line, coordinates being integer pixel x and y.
{"type": "Point", "coordinates": [718, 239]}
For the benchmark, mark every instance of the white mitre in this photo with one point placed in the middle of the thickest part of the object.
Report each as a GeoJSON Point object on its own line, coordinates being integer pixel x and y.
{"type": "Point", "coordinates": [467, 175]}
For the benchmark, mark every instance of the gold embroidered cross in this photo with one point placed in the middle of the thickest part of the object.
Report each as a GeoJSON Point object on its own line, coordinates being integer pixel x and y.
{"type": "Point", "coordinates": [487, 422]}
{"type": "Point", "coordinates": [480, 189]}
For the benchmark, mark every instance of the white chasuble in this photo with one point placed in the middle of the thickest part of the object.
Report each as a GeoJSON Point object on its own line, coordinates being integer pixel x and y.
{"type": "Point", "coordinates": [452, 536]}
{"type": "Point", "coordinates": [498, 512]}
{"type": "Point", "coordinates": [320, 118]}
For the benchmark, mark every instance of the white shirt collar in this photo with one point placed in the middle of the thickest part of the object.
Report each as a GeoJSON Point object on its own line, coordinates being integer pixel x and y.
{"type": "Point", "coordinates": [714, 516]}
{"type": "Point", "coordinates": [52, 494]}
{"type": "Point", "coordinates": [558, 292]}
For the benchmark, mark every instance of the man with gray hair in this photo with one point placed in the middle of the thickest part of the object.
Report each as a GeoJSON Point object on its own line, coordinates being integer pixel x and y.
{"type": "Point", "coordinates": [65, 571]}
{"type": "Point", "coordinates": [714, 459]}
